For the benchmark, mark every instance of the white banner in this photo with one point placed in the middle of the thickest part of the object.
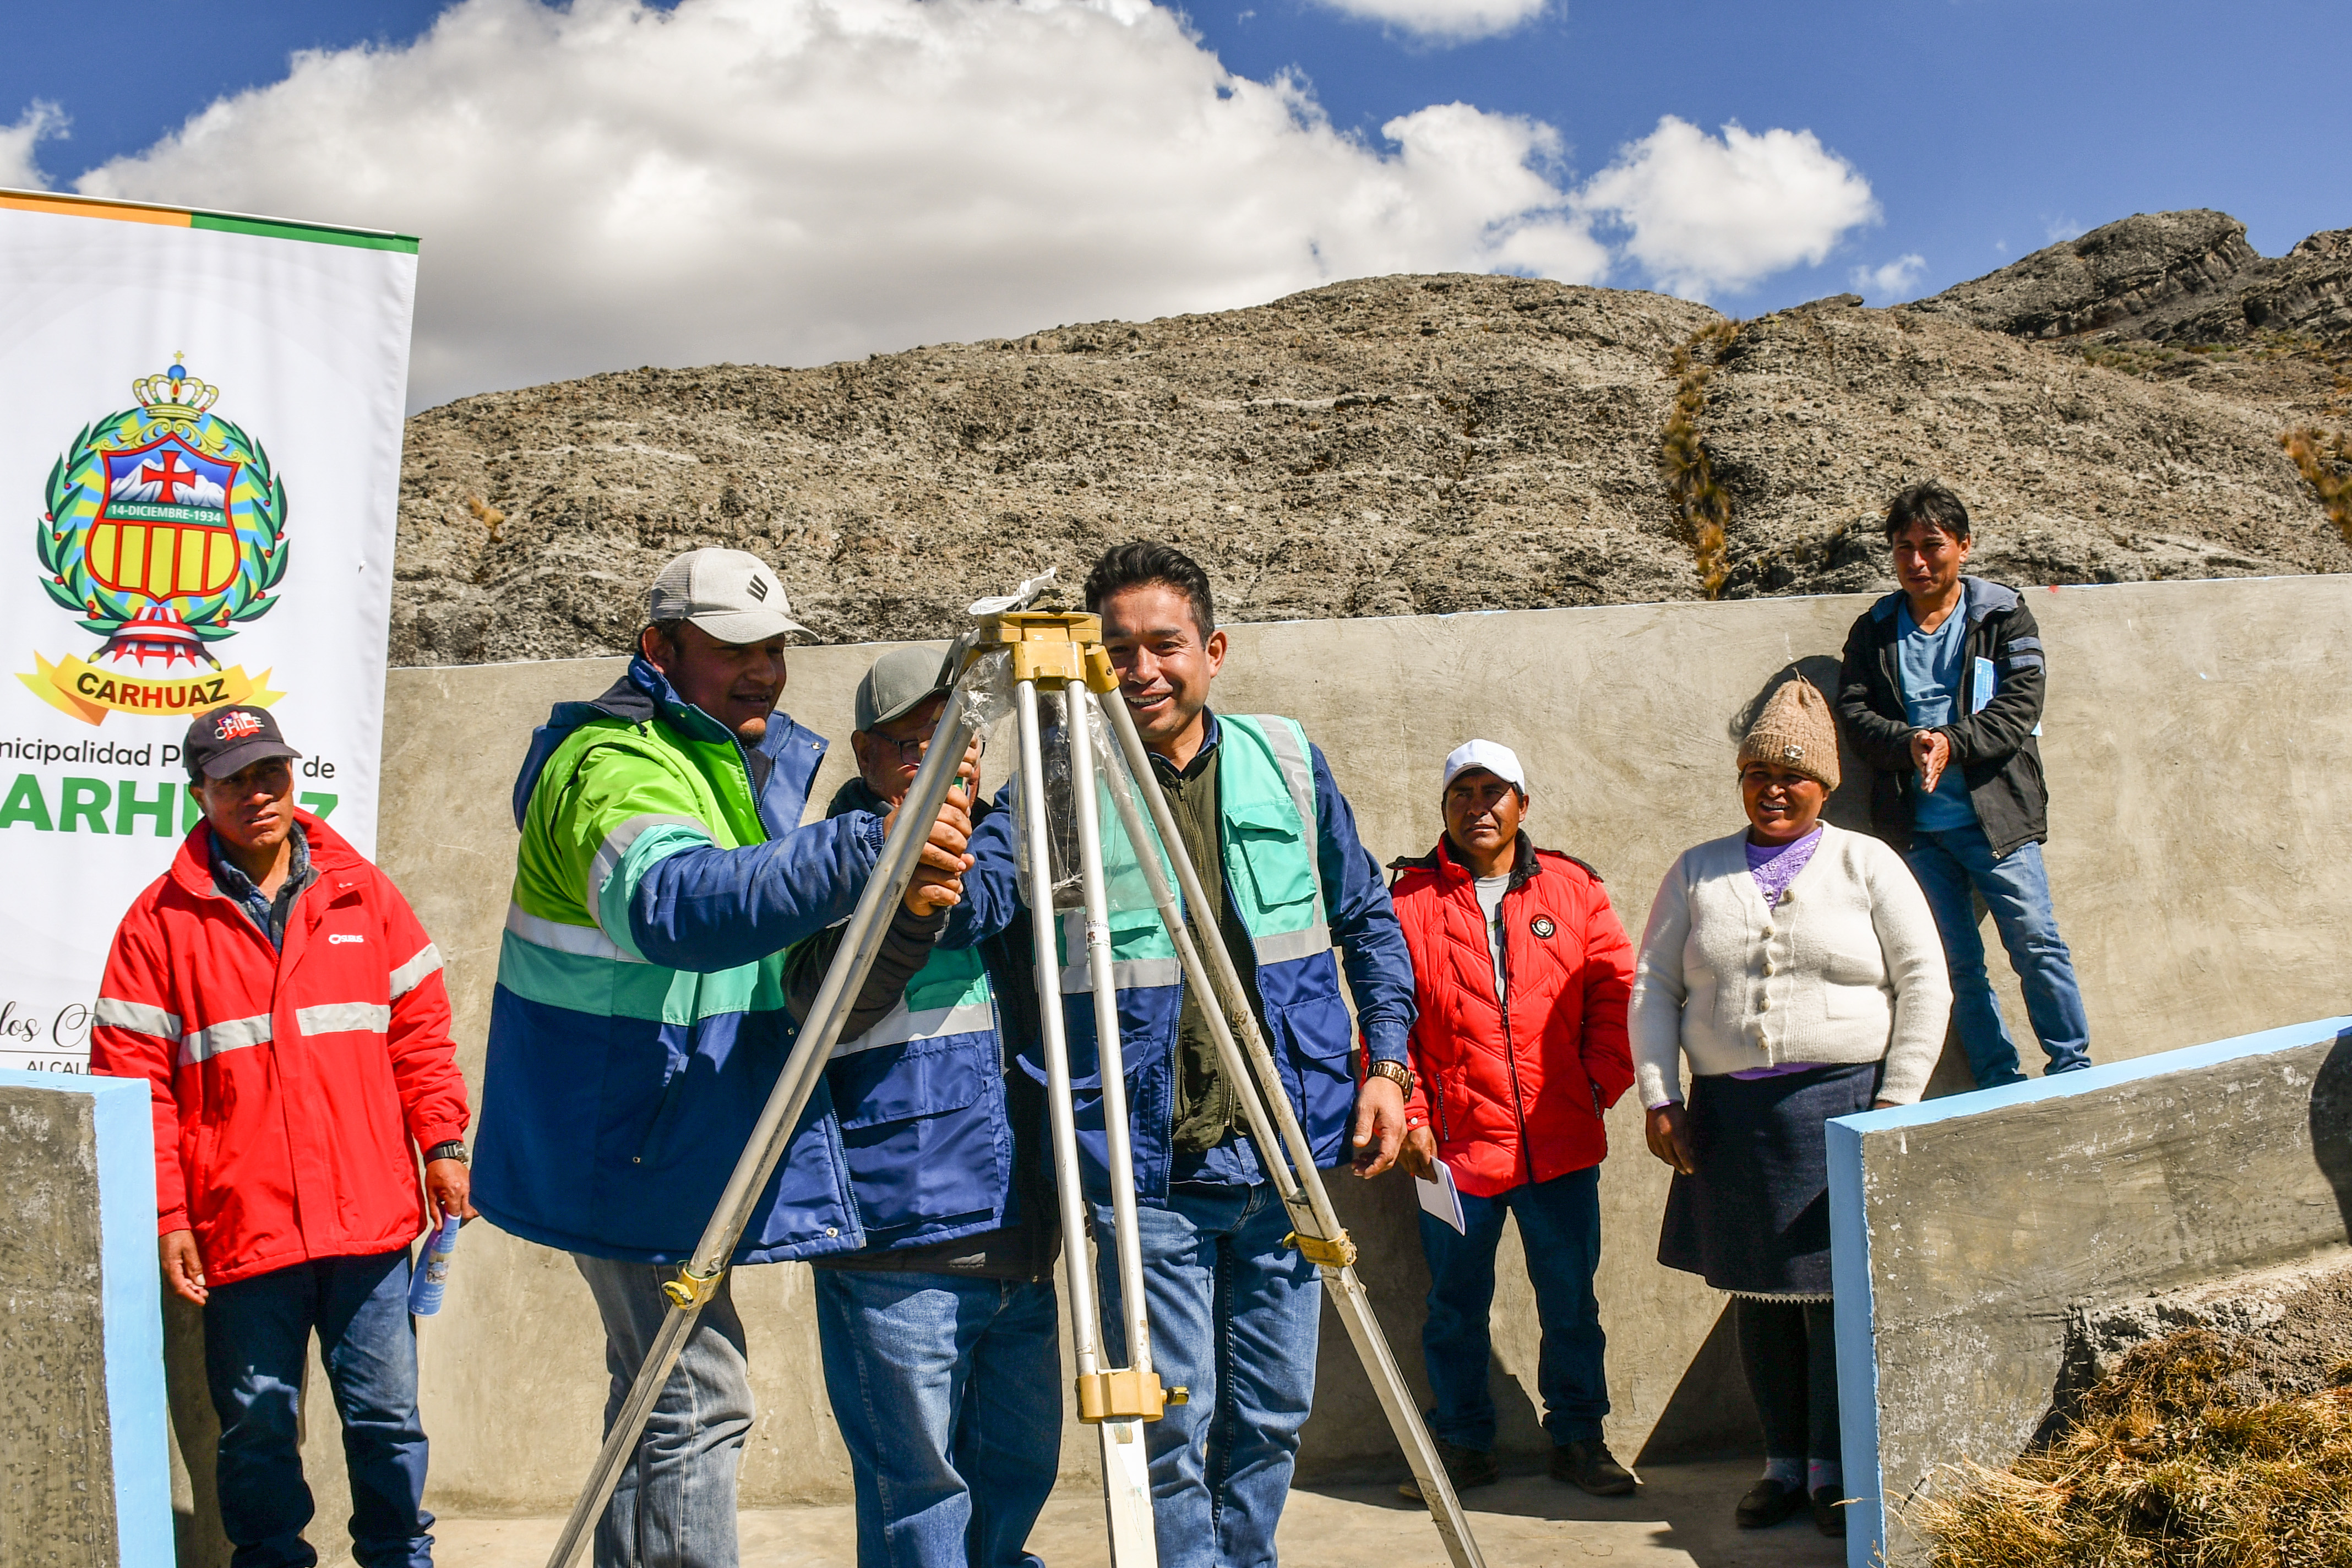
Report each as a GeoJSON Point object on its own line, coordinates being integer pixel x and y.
{"type": "Point", "coordinates": [200, 424]}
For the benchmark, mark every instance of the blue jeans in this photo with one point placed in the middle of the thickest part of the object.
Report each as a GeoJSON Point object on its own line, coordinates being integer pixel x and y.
{"type": "Point", "coordinates": [675, 1505]}
{"type": "Point", "coordinates": [1951, 866]}
{"type": "Point", "coordinates": [947, 1391]}
{"type": "Point", "coordinates": [1559, 1229]}
{"type": "Point", "coordinates": [1235, 1317]}
{"type": "Point", "coordinates": [257, 1337]}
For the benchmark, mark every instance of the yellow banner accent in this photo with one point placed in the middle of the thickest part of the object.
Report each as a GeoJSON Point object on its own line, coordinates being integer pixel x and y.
{"type": "Point", "coordinates": [76, 687]}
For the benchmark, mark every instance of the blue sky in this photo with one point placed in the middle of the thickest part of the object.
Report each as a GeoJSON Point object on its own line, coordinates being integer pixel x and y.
{"type": "Point", "coordinates": [1984, 128]}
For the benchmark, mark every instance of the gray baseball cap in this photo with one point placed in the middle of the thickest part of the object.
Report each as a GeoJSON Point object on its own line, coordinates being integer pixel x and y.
{"type": "Point", "coordinates": [897, 684]}
{"type": "Point", "coordinates": [730, 594]}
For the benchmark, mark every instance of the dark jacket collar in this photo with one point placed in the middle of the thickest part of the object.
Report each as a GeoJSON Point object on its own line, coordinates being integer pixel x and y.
{"type": "Point", "coordinates": [1211, 733]}
{"type": "Point", "coordinates": [1440, 863]}
{"type": "Point", "coordinates": [1979, 597]}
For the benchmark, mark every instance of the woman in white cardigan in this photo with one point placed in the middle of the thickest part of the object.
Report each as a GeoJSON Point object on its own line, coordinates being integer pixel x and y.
{"type": "Point", "coordinates": [1797, 967]}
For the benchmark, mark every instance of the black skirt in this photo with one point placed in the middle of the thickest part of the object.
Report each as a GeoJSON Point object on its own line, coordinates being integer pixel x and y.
{"type": "Point", "coordinates": [1755, 1219]}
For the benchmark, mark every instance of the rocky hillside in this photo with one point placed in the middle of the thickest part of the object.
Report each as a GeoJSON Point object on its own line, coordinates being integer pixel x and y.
{"type": "Point", "coordinates": [1418, 444]}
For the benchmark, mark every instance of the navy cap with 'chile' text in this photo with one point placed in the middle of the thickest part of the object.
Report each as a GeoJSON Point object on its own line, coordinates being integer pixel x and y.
{"type": "Point", "coordinates": [227, 739]}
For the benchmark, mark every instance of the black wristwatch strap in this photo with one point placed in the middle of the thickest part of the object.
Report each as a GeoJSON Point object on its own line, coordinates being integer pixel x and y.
{"type": "Point", "coordinates": [452, 1150]}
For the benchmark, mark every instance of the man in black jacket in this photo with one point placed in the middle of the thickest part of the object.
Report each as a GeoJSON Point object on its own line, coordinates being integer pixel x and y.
{"type": "Point", "coordinates": [1941, 693]}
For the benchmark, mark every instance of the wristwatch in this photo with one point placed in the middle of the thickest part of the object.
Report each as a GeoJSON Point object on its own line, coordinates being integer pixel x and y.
{"type": "Point", "coordinates": [1395, 1072]}
{"type": "Point", "coordinates": [452, 1150]}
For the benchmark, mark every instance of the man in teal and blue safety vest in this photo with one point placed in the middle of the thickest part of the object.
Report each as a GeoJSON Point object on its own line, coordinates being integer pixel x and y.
{"type": "Point", "coordinates": [1235, 1311]}
{"type": "Point", "coordinates": [940, 1335]}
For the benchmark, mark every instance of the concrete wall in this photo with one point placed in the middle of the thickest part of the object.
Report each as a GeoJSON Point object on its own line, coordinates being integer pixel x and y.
{"type": "Point", "coordinates": [2197, 738]}
{"type": "Point", "coordinates": [84, 1481]}
{"type": "Point", "coordinates": [1971, 1231]}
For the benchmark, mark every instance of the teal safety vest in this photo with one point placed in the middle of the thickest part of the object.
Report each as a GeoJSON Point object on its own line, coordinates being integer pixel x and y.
{"type": "Point", "coordinates": [1265, 808]}
{"type": "Point", "coordinates": [1270, 838]}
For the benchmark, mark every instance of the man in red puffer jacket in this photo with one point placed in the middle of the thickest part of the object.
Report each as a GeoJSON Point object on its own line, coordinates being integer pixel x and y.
{"type": "Point", "coordinates": [289, 1014]}
{"type": "Point", "coordinates": [1521, 975]}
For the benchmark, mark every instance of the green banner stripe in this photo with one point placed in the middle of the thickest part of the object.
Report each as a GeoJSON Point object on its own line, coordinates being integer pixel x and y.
{"type": "Point", "coordinates": [317, 234]}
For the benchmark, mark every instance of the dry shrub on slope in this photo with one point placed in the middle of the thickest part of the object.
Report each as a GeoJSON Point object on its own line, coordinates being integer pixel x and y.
{"type": "Point", "coordinates": [2170, 1464]}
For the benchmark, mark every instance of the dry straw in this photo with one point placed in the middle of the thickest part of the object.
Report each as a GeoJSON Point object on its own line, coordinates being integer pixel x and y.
{"type": "Point", "coordinates": [2168, 1465]}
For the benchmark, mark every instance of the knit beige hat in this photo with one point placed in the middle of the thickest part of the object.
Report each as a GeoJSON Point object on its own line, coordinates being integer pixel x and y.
{"type": "Point", "coordinates": [1797, 732]}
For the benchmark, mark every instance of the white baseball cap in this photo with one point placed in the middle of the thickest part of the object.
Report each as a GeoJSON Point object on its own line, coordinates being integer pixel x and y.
{"type": "Point", "coordinates": [1499, 760]}
{"type": "Point", "coordinates": [730, 594]}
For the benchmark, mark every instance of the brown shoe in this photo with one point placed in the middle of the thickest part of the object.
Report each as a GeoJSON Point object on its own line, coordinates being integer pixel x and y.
{"type": "Point", "coordinates": [1465, 1467]}
{"type": "Point", "coordinates": [1590, 1465]}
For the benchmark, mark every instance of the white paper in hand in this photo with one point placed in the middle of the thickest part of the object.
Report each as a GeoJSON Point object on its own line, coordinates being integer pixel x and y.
{"type": "Point", "coordinates": [1441, 1199]}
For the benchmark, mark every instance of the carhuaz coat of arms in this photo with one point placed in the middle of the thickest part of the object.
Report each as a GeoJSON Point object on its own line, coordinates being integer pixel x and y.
{"type": "Point", "coordinates": [164, 532]}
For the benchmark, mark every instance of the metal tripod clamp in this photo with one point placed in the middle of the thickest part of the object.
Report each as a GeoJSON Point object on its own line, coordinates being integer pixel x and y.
{"type": "Point", "coordinates": [1125, 1394]}
{"type": "Point", "coordinates": [690, 1289]}
{"type": "Point", "coordinates": [1336, 1252]}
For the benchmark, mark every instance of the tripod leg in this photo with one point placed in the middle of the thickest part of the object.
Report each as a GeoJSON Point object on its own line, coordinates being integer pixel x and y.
{"type": "Point", "coordinates": [1126, 1484]}
{"type": "Point", "coordinates": [1109, 1053]}
{"type": "Point", "coordinates": [1291, 1162]}
{"type": "Point", "coordinates": [798, 1081]}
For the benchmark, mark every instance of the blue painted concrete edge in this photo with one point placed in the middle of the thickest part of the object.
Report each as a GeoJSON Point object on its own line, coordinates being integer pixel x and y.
{"type": "Point", "coordinates": [137, 1410]}
{"type": "Point", "coordinates": [1857, 1350]}
{"type": "Point", "coordinates": [1857, 1353]}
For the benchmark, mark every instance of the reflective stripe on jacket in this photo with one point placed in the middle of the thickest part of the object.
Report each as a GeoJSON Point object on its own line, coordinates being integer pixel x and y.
{"type": "Point", "coordinates": [639, 1022]}
{"type": "Point", "coordinates": [1293, 890]}
{"type": "Point", "coordinates": [920, 1097]}
{"type": "Point", "coordinates": [293, 1088]}
{"type": "Point", "coordinates": [1516, 1092]}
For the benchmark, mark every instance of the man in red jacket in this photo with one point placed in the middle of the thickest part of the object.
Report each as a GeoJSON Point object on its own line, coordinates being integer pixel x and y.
{"type": "Point", "coordinates": [1521, 975]}
{"type": "Point", "coordinates": [277, 993]}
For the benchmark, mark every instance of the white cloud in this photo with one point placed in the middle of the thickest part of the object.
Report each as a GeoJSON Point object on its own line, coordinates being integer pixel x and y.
{"type": "Point", "coordinates": [796, 180]}
{"type": "Point", "coordinates": [1891, 280]}
{"type": "Point", "coordinates": [1716, 214]}
{"type": "Point", "coordinates": [790, 182]}
{"type": "Point", "coordinates": [2059, 230]}
{"type": "Point", "coordinates": [1445, 21]}
{"type": "Point", "coordinates": [19, 171]}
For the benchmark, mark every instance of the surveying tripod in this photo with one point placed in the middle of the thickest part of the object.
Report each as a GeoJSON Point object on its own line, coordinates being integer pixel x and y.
{"type": "Point", "coordinates": [1006, 657]}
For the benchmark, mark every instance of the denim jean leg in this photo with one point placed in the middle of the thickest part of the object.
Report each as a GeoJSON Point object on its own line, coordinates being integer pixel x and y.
{"type": "Point", "coordinates": [1457, 1341]}
{"type": "Point", "coordinates": [1560, 1230]}
{"type": "Point", "coordinates": [257, 1335]}
{"type": "Point", "coordinates": [1274, 1298]}
{"type": "Point", "coordinates": [1183, 1241]}
{"type": "Point", "coordinates": [675, 1504]}
{"type": "Point", "coordinates": [2016, 887]}
{"type": "Point", "coordinates": [368, 1342]}
{"type": "Point", "coordinates": [1009, 1434]}
{"type": "Point", "coordinates": [899, 1365]}
{"type": "Point", "coordinates": [1976, 1011]}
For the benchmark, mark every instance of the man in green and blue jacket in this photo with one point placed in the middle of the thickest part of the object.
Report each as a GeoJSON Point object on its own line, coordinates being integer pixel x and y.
{"type": "Point", "coordinates": [639, 1020]}
{"type": "Point", "coordinates": [1235, 1312]}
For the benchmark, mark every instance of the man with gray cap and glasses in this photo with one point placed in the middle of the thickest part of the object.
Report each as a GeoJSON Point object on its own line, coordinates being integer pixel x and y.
{"type": "Point", "coordinates": [639, 1022]}
{"type": "Point", "coordinates": [939, 1338]}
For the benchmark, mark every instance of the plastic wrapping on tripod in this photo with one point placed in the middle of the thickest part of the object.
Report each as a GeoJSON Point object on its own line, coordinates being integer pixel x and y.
{"type": "Point", "coordinates": [1127, 891]}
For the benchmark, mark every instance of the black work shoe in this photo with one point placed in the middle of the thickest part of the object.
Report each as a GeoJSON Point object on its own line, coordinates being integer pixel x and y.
{"type": "Point", "coordinates": [1465, 1467]}
{"type": "Point", "coordinates": [1590, 1465]}
{"type": "Point", "coordinates": [1829, 1512]}
{"type": "Point", "coordinates": [1768, 1503]}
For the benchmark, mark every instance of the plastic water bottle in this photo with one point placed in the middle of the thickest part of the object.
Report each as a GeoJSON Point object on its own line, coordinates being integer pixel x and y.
{"type": "Point", "coordinates": [425, 1285]}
